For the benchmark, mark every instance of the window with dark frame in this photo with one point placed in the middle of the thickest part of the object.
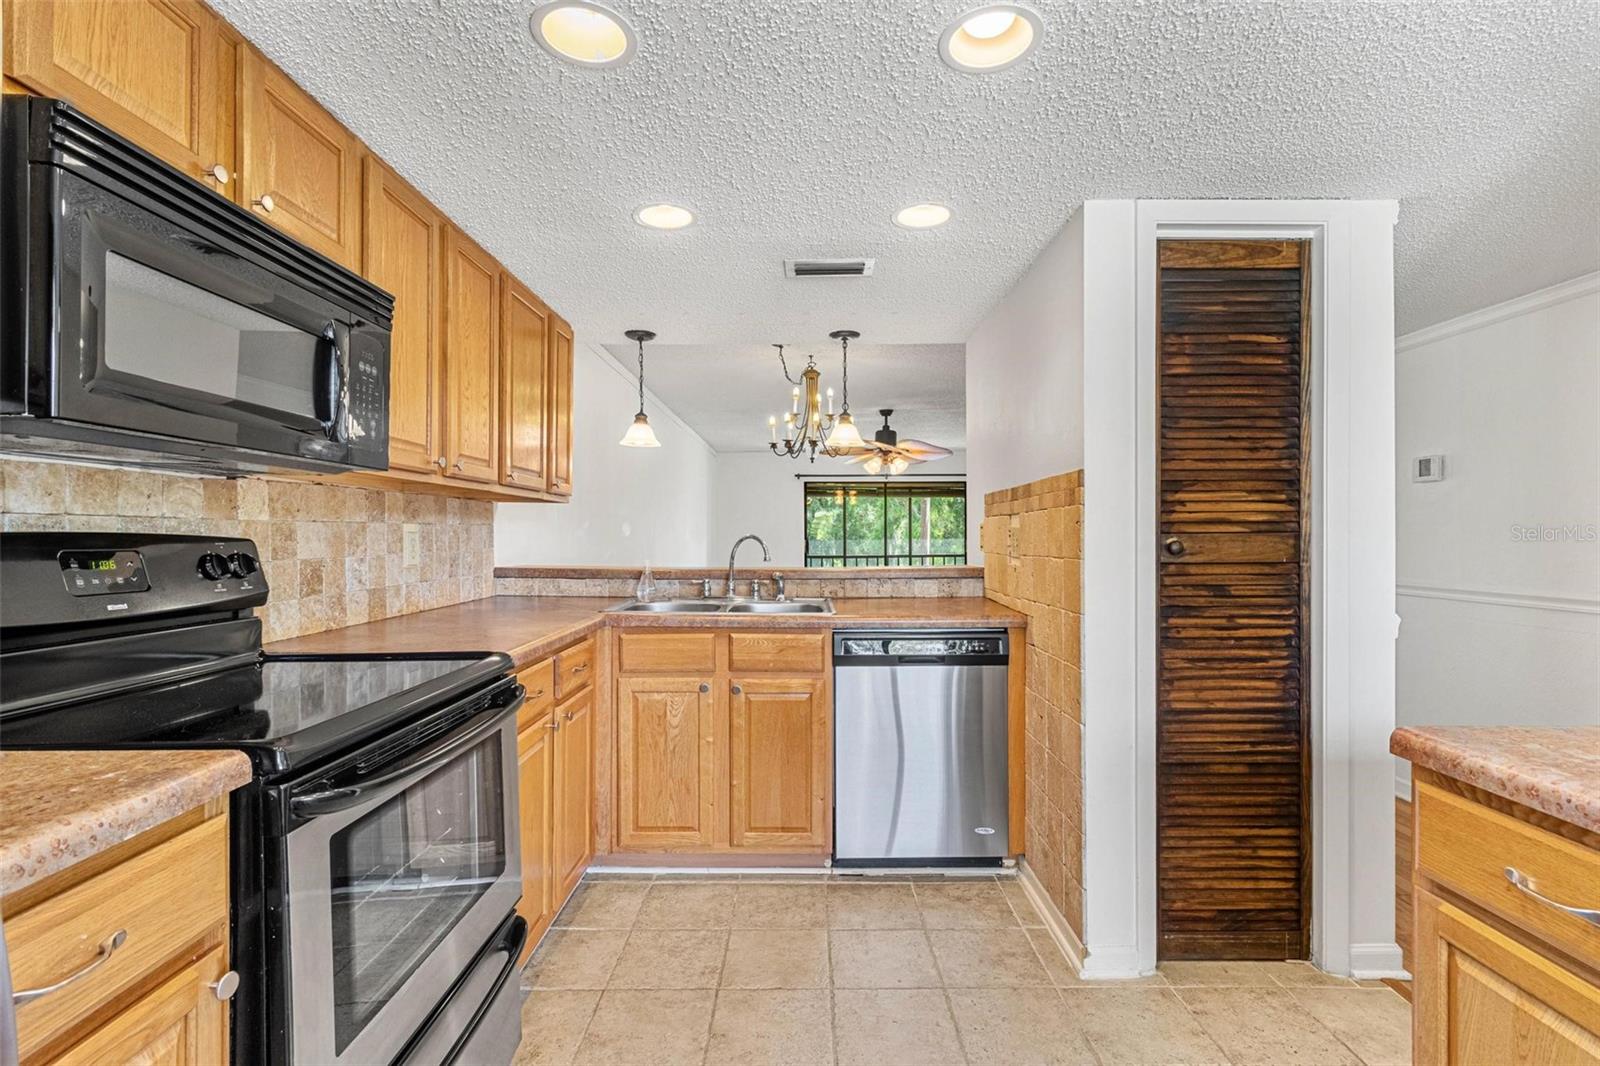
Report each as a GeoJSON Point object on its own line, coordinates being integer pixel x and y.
{"type": "Point", "coordinates": [899, 523]}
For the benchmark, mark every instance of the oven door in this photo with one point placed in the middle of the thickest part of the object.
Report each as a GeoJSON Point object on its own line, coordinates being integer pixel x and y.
{"type": "Point", "coordinates": [397, 879]}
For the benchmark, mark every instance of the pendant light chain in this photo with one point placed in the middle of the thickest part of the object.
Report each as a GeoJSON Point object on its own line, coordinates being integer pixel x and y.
{"type": "Point", "coordinates": [845, 377]}
{"type": "Point", "coordinates": [641, 375]}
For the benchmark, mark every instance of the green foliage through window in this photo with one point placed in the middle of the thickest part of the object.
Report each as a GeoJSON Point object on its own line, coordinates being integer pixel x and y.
{"type": "Point", "coordinates": [895, 524]}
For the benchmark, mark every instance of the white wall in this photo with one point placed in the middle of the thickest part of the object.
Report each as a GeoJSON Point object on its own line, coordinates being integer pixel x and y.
{"type": "Point", "coordinates": [1499, 563]}
{"type": "Point", "coordinates": [1025, 378]}
{"type": "Point", "coordinates": [629, 505]}
{"type": "Point", "coordinates": [757, 492]}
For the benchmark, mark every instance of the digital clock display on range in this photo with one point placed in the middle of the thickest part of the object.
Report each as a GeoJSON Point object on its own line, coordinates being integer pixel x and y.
{"type": "Point", "coordinates": [91, 573]}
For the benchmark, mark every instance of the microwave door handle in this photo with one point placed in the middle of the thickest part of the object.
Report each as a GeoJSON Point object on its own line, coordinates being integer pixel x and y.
{"type": "Point", "coordinates": [331, 397]}
{"type": "Point", "coordinates": [338, 798]}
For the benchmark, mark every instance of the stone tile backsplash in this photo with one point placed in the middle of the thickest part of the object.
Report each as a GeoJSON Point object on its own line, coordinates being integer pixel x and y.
{"type": "Point", "coordinates": [333, 555]}
{"type": "Point", "coordinates": [1032, 537]}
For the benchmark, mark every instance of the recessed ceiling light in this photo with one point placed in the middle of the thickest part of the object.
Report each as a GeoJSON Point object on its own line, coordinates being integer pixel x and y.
{"type": "Point", "coordinates": [663, 216]}
{"type": "Point", "coordinates": [922, 216]}
{"type": "Point", "coordinates": [584, 33]}
{"type": "Point", "coordinates": [990, 38]}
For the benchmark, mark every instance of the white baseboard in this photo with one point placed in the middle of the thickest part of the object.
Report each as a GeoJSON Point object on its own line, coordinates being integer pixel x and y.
{"type": "Point", "coordinates": [1368, 962]}
{"type": "Point", "coordinates": [1055, 923]}
{"type": "Point", "coordinates": [1402, 780]}
{"type": "Point", "coordinates": [1112, 964]}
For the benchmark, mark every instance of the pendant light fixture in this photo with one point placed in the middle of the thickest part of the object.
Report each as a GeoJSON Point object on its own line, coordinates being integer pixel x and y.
{"type": "Point", "coordinates": [807, 429]}
{"type": "Point", "coordinates": [639, 434]}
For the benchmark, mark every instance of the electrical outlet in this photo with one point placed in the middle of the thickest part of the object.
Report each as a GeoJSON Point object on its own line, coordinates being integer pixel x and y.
{"type": "Point", "coordinates": [410, 544]}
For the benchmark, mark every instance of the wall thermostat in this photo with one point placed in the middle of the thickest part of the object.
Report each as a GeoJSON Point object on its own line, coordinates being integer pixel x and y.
{"type": "Point", "coordinates": [1427, 468]}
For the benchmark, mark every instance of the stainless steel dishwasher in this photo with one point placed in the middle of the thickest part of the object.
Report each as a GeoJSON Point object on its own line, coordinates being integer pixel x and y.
{"type": "Point", "coordinates": [920, 754]}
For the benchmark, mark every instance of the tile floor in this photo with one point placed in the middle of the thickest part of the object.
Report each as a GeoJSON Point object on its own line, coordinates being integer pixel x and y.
{"type": "Point", "coordinates": [780, 970]}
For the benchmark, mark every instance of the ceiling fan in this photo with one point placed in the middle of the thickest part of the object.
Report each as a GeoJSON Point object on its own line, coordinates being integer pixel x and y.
{"type": "Point", "coordinates": [886, 449]}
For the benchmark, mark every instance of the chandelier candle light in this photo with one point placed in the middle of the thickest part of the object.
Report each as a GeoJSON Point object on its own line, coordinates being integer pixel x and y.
{"type": "Point", "coordinates": [807, 429]}
{"type": "Point", "coordinates": [639, 434]}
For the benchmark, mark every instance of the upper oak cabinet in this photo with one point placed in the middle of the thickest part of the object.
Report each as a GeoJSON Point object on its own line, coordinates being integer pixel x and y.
{"type": "Point", "coordinates": [158, 71]}
{"type": "Point", "coordinates": [471, 360]}
{"type": "Point", "coordinates": [300, 169]}
{"type": "Point", "coordinates": [524, 386]}
{"type": "Point", "coordinates": [559, 420]}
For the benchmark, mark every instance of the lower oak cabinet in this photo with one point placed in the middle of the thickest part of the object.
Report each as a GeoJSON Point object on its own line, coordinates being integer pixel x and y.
{"type": "Point", "coordinates": [136, 943]}
{"type": "Point", "coordinates": [1505, 973]}
{"type": "Point", "coordinates": [723, 742]}
{"type": "Point", "coordinates": [555, 782]}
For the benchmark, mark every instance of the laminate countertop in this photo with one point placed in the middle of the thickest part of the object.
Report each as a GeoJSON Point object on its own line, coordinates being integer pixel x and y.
{"type": "Point", "coordinates": [529, 628]}
{"type": "Point", "coordinates": [58, 808]}
{"type": "Point", "coordinates": [1554, 771]}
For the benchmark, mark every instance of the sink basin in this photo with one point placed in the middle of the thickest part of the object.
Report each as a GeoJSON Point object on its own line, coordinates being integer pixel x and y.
{"type": "Point", "coordinates": [822, 606]}
{"type": "Point", "coordinates": [671, 607]}
{"type": "Point", "coordinates": [785, 607]}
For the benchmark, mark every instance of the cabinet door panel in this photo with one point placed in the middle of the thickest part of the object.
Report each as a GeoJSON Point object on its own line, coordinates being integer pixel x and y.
{"type": "Point", "coordinates": [574, 788]}
{"type": "Point", "coordinates": [402, 252]}
{"type": "Point", "coordinates": [665, 763]}
{"type": "Point", "coordinates": [303, 159]}
{"type": "Point", "coordinates": [779, 765]}
{"type": "Point", "coordinates": [560, 420]}
{"type": "Point", "coordinates": [149, 69]}
{"type": "Point", "coordinates": [179, 1023]}
{"type": "Point", "coordinates": [535, 773]}
{"type": "Point", "coordinates": [524, 371]}
{"type": "Point", "coordinates": [471, 359]}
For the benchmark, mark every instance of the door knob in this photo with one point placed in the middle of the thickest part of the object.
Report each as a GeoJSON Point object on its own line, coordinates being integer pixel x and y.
{"type": "Point", "coordinates": [265, 203]}
{"type": "Point", "coordinates": [218, 173]}
{"type": "Point", "coordinates": [1174, 547]}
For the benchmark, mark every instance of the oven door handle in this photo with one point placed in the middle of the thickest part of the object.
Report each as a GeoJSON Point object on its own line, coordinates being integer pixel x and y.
{"type": "Point", "coordinates": [343, 797]}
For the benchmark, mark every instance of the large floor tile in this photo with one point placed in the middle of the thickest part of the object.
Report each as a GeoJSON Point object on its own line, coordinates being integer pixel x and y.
{"type": "Point", "coordinates": [788, 1026]}
{"type": "Point", "coordinates": [987, 958]}
{"type": "Point", "coordinates": [1018, 1025]}
{"type": "Point", "coordinates": [980, 905]}
{"type": "Point", "coordinates": [603, 905]}
{"type": "Point", "coordinates": [670, 958]}
{"type": "Point", "coordinates": [894, 1027]}
{"type": "Point", "coordinates": [687, 905]}
{"type": "Point", "coordinates": [1265, 1027]}
{"type": "Point", "coordinates": [575, 958]}
{"type": "Point", "coordinates": [1375, 1023]}
{"type": "Point", "coordinates": [858, 906]}
{"type": "Point", "coordinates": [882, 958]}
{"type": "Point", "coordinates": [764, 905]}
{"type": "Point", "coordinates": [553, 1023]}
{"type": "Point", "coordinates": [656, 1027]}
{"type": "Point", "coordinates": [1242, 974]}
{"type": "Point", "coordinates": [776, 958]}
{"type": "Point", "coordinates": [1304, 975]}
{"type": "Point", "coordinates": [1138, 1026]}
{"type": "Point", "coordinates": [1021, 905]}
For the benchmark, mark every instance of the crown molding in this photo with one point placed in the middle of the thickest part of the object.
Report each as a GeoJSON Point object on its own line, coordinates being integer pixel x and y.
{"type": "Point", "coordinates": [1582, 285]}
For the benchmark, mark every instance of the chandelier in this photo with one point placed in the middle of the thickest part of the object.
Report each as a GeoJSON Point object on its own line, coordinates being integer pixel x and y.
{"type": "Point", "coordinates": [807, 429]}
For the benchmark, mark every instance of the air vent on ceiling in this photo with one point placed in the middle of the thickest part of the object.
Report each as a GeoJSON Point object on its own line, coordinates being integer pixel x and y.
{"type": "Point", "coordinates": [828, 268]}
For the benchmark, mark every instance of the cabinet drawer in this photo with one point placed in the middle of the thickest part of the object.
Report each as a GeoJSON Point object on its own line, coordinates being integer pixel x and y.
{"type": "Point", "coordinates": [166, 899]}
{"type": "Point", "coordinates": [668, 653]}
{"type": "Point", "coordinates": [1468, 847]}
{"type": "Point", "coordinates": [574, 668]}
{"type": "Point", "coordinates": [794, 652]}
{"type": "Point", "coordinates": [540, 681]}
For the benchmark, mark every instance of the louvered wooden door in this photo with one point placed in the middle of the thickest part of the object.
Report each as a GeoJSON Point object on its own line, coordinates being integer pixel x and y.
{"type": "Point", "coordinates": [1233, 842]}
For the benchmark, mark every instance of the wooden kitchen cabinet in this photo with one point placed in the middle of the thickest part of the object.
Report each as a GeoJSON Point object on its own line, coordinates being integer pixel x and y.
{"type": "Point", "coordinates": [181, 1023]}
{"type": "Point", "coordinates": [780, 762]}
{"type": "Point", "coordinates": [159, 72]}
{"type": "Point", "coordinates": [666, 764]}
{"type": "Point", "coordinates": [471, 360]}
{"type": "Point", "coordinates": [525, 334]}
{"type": "Point", "coordinates": [299, 168]}
{"type": "Point", "coordinates": [535, 796]}
{"type": "Point", "coordinates": [559, 419]}
{"type": "Point", "coordinates": [574, 790]}
{"type": "Point", "coordinates": [402, 251]}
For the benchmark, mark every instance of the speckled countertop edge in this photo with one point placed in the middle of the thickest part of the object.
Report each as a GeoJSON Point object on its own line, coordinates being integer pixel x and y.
{"type": "Point", "coordinates": [58, 808]}
{"type": "Point", "coordinates": [1554, 771]}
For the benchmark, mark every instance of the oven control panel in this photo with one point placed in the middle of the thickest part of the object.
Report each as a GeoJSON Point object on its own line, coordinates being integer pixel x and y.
{"type": "Point", "coordinates": [102, 573]}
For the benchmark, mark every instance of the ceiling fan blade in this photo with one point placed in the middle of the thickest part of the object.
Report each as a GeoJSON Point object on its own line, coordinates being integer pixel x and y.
{"type": "Point", "coordinates": [923, 450]}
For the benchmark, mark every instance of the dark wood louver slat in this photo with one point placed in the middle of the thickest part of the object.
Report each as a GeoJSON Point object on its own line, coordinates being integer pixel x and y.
{"type": "Point", "coordinates": [1233, 854]}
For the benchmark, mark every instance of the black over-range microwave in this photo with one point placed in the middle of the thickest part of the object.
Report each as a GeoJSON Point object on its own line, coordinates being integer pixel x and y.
{"type": "Point", "coordinates": [145, 319]}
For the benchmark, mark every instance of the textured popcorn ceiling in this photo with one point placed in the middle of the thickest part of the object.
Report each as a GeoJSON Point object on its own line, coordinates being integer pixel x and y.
{"type": "Point", "coordinates": [797, 127]}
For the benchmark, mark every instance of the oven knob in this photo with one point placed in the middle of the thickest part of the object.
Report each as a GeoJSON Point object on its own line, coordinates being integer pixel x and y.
{"type": "Point", "coordinates": [242, 564]}
{"type": "Point", "coordinates": [213, 567]}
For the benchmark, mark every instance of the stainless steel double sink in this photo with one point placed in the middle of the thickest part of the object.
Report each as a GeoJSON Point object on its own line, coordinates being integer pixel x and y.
{"type": "Point", "coordinates": [724, 606]}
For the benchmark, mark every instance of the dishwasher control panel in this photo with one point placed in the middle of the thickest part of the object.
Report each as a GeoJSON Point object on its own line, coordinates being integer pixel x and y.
{"type": "Point", "coordinates": [975, 647]}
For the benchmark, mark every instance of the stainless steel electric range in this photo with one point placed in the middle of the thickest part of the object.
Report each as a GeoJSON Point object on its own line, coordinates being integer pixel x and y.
{"type": "Point", "coordinates": [374, 855]}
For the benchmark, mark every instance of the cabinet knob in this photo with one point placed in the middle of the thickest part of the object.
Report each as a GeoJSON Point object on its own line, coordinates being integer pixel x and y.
{"type": "Point", "coordinates": [705, 688]}
{"type": "Point", "coordinates": [737, 690]}
{"type": "Point", "coordinates": [439, 462]}
{"type": "Point", "coordinates": [458, 464]}
{"type": "Point", "coordinates": [218, 173]}
{"type": "Point", "coordinates": [265, 203]}
{"type": "Point", "coordinates": [568, 716]}
{"type": "Point", "coordinates": [555, 723]}
{"type": "Point", "coordinates": [1174, 547]}
{"type": "Point", "coordinates": [226, 985]}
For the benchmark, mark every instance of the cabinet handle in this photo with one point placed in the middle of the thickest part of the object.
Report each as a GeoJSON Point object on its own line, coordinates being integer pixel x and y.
{"type": "Point", "coordinates": [581, 668]}
{"type": "Point", "coordinates": [1523, 883]}
{"type": "Point", "coordinates": [218, 173]}
{"type": "Point", "coordinates": [107, 949]}
{"type": "Point", "coordinates": [705, 688]}
{"type": "Point", "coordinates": [265, 203]}
{"type": "Point", "coordinates": [535, 695]}
{"type": "Point", "coordinates": [226, 985]}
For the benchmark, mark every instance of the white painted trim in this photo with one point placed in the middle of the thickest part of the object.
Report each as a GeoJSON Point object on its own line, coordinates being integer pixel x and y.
{"type": "Point", "coordinates": [1574, 605]}
{"type": "Point", "coordinates": [1582, 285]}
{"type": "Point", "coordinates": [1402, 779]}
{"type": "Point", "coordinates": [1055, 923]}
{"type": "Point", "coordinates": [1370, 962]}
